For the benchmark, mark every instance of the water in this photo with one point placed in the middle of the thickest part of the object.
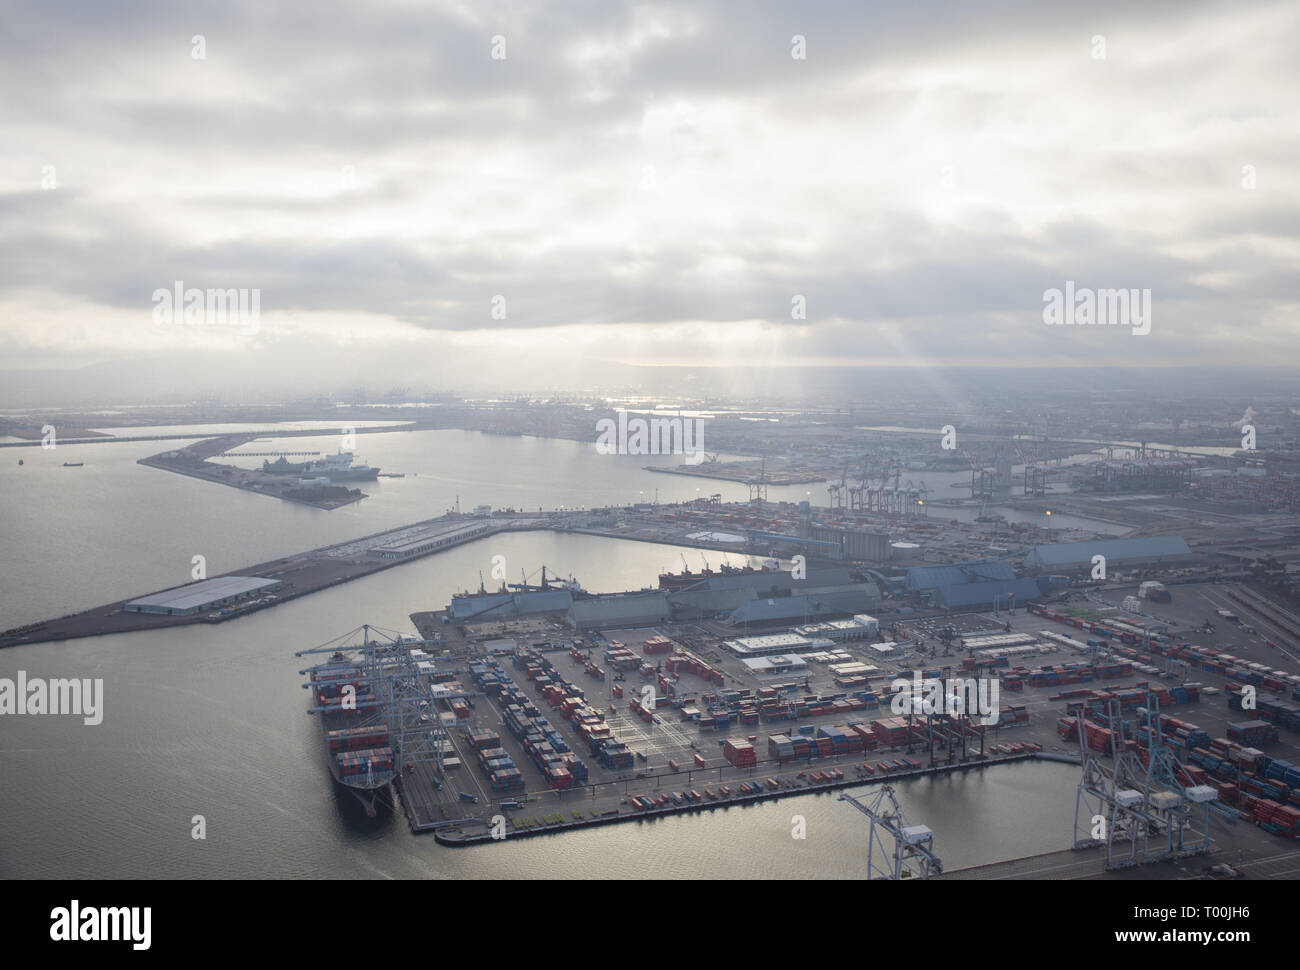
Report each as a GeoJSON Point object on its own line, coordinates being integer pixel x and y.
{"type": "Point", "coordinates": [210, 721]}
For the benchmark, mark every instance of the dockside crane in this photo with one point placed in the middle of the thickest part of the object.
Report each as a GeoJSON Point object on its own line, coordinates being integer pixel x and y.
{"type": "Point", "coordinates": [913, 845]}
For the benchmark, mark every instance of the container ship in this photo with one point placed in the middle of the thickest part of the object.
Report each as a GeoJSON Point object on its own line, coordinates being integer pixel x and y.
{"type": "Point", "coordinates": [359, 749]}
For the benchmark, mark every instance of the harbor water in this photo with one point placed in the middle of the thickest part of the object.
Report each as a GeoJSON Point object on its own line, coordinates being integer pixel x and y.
{"type": "Point", "coordinates": [210, 720]}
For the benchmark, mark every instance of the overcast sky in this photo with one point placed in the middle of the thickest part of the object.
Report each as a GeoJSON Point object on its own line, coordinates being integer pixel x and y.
{"type": "Point", "coordinates": [649, 183]}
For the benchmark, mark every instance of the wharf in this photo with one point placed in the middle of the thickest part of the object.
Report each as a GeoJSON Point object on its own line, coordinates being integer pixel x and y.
{"type": "Point", "coordinates": [723, 472]}
{"type": "Point", "coordinates": [326, 566]}
{"type": "Point", "coordinates": [1265, 859]}
{"type": "Point", "coordinates": [587, 808]}
{"type": "Point", "coordinates": [299, 575]}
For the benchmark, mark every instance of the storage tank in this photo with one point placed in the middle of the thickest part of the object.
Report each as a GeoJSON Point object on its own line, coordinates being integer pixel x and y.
{"type": "Point", "coordinates": [904, 550]}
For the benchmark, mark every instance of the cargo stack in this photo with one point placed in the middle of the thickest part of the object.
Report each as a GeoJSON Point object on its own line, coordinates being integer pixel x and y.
{"type": "Point", "coordinates": [1098, 738]}
{"type": "Point", "coordinates": [869, 739]}
{"type": "Point", "coordinates": [890, 731]}
{"type": "Point", "coordinates": [687, 663]}
{"type": "Point", "coordinates": [1252, 733]}
{"type": "Point", "coordinates": [357, 738]}
{"type": "Point", "coordinates": [740, 753]}
{"type": "Point", "coordinates": [621, 658]}
{"type": "Point", "coordinates": [1015, 716]}
{"type": "Point", "coordinates": [614, 754]}
{"type": "Point", "coordinates": [785, 748]}
{"type": "Point", "coordinates": [657, 645]}
{"type": "Point", "coordinates": [354, 763]}
{"type": "Point", "coordinates": [1279, 819]}
{"type": "Point", "coordinates": [843, 740]}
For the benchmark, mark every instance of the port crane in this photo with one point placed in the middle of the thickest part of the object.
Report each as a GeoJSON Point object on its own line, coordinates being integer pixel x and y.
{"type": "Point", "coordinates": [758, 489]}
{"type": "Point", "coordinates": [913, 845]}
{"type": "Point", "coordinates": [396, 669]}
{"type": "Point", "coordinates": [1140, 812]}
{"type": "Point", "coordinates": [981, 479]}
{"type": "Point", "coordinates": [837, 489]}
{"type": "Point", "coordinates": [545, 586]}
{"type": "Point", "coordinates": [1035, 474]}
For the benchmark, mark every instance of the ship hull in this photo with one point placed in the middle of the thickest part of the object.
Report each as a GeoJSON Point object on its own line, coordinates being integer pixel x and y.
{"type": "Point", "coordinates": [373, 797]}
{"type": "Point", "coordinates": [352, 475]}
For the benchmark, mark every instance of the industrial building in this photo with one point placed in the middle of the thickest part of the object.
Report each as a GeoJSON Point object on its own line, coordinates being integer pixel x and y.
{"type": "Point", "coordinates": [779, 665]}
{"type": "Point", "coordinates": [925, 579]}
{"type": "Point", "coordinates": [857, 545]}
{"type": "Point", "coordinates": [838, 630]}
{"type": "Point", "coordinates": [774, 643]}
{"type": "Point", "coordinates": [205, 595]}
{"type": "Point", "coordinates": [836, 601]}
{"type": "Point", "coordinates": [1067, 557]}
{"type": "Point", "coordinates": [983, 595]}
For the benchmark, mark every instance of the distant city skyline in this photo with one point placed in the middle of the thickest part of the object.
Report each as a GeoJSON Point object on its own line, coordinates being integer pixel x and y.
{"type": "Point", "coordinates": [459, 195]}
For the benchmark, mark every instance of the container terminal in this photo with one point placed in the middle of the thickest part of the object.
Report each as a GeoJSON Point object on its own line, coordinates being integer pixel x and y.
{"type": "Point", "coordinates": [509, 719]}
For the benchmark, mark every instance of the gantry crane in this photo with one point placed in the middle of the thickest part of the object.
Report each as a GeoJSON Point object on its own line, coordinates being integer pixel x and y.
{"type": "Point", "coordinates": [913, 853]}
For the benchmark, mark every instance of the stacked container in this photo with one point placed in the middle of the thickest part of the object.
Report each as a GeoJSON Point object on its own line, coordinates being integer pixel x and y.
{"type": "Point", "coordinates": [740, 753]}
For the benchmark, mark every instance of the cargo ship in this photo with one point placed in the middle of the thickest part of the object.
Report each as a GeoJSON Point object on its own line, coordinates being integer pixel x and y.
{"type": "Point", "coordinates": [337, 468]}
{"type": "Point", "coordinates": [282, 467]}
{"type": "Point", "coordinates": [357, 741]}
{"type": "Point", "coordinates": [674, 581]}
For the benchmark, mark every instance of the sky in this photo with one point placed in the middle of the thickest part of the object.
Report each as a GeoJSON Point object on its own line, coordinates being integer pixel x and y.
{"type": "Point", "coordinates": [442, 194]}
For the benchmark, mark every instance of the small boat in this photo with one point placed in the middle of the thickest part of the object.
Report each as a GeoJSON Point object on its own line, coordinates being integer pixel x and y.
{"type": "Point", "coordinates": [73, 464]}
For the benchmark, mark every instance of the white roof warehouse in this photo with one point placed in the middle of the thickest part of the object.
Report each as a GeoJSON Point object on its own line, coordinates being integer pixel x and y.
{"type": "Point", "coordinates": [204, 595]}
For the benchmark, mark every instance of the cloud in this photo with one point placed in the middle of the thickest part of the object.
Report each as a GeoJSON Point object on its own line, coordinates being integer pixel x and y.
{"type": "Point", "coordinates": [653, 183]}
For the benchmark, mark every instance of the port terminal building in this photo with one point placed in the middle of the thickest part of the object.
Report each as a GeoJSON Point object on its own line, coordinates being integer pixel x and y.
{"type": "Point", "coordinates": [207, 594]}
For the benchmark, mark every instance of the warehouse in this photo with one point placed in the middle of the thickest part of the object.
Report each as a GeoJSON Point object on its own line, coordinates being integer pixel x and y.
{"type": "Point", "coordinates": [837, 630]}
{"type": "Point", "coordinates": [973, 596]}
{"type": "Point", "coordinates": [926, 578]}
{"type": "Point", "coordinates": [815, 605]}
{"type": "Point", "coordinates": [775, 643]}
{"type": "Point", "coordinates": [1068, 557]}
{"type": "Point", "coordinates": [777, 666]}
{"type": "Point", "coordinates": [197, 597]}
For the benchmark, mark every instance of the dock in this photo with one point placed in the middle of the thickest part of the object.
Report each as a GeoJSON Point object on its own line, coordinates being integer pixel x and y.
{"type": "Point", "coordinates": [589, 806]}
